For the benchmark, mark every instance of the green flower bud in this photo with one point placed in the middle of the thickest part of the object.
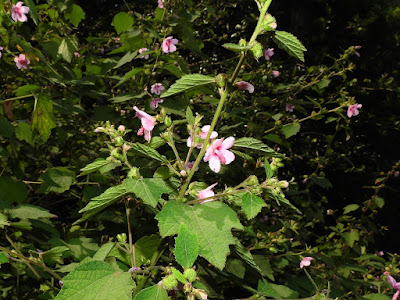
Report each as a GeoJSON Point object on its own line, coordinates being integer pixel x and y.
{"type": "Point", "coordinates": [269, 23]}
{"type": "Point", "coordinates": [121, 237]}
{"type": "Point", "coordinates": [167, 121]}
{"type": "Point", "coordinates": [252, 180]}
{"type": "Point", "coordinates": [220, 80]}
{"type": "Point", "coordinates": [242, 42]}
{"type": "Point", "coordinates": [170, 282]}
{"type": "Point", "coordinates": [257, 50]}
{"type": "Point", "coordinates": [283, 184]}
{"type": "Point", "coordinates": [163, 113]}
{"type": "Point", "coordinates": [190, 274]}
{"type": "Point", "coordinates": [133, 173]}
{"type": "Point", "coordinates": [119, 141]}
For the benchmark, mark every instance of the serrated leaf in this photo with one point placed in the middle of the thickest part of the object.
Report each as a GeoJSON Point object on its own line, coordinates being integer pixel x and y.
{"type": "Point", "coordinates": [155, 292]}
{"type": "Point", "coordinates": [178, 275]}
{"type": "Point", "coordinates": [266, 289]}
{"type": "Point", "coordinates": [291, 129]}
{"type": "Point", "coordinates": [351, 237]}
{"type": "Point", "coordinates": [186, 247]}
{"type": "Point", "coordinates": [376, 297]}
{"type": "Point", "coordinates": [122, 22]}
{"type": "Point", "coordinates": [96, 280]}
{"type": "Point", "coordinates": [54, 255]}
{"type": "Point", "coordinates": [107, 198]}
{"type": "Point", "coordinates": [189, 116]}
{"type": "Point", "coordinates": [43, 117]}
{"type": "Point", "coordinates": [103, 252]}
{"type": "Point", "coordinates": [12, 191]}
{"type": "Point", "coordinates": [350, 208]}
{"type": "Point", "coordinates": [75, 14]}
{"type": "Point", "coordinates": [96, 165]}
{"type": "Point", "coordinates": [28, 211]}
{"type": "Point", "coordinates": [57, 180]}
{"type": "Point", "coordinates": [187, 82]}
{"type": "Point", "coordinates": [145, 248]}
{"type": "Point", "coordinates": [252, 205]}
{"type": "Point", "coordinates": [147, 151]}
{"type": "Point", "coordinates": [290, 44]}
{"type": "Point", "coordinates": [23, 132]}
{"type": "Point", "coordinates": [147, 189]}
{"type": "Point", "coordinates": [236, 47]}
{"type": "Point", "coordinates": [212, 222]}
{"type": "Point", "coordinates": [253, 144]}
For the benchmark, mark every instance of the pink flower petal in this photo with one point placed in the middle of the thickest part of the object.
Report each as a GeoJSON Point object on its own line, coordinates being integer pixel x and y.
{"type": "Point", "coordinates": [215, 163]}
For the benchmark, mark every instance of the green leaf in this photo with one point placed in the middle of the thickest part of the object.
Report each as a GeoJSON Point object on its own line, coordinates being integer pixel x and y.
{"type": "Point", "coordinates": [291, 129]}
{"type": "Point", "coordinates": [103, 252]}
{"type": "Point", "coordinates": [125, 59]}
{"type": "Point", "coordinates": [351, 236]}
{"type": "Point", "coordinates": [376, 297]}
{"type": "Point", "coordinates": [187, 82]}
{"type": "Point", "coordinates": [321, 181]}
{"type": "Point", "coordinates": [75, 14]}
{"type": "Point", "coordinates": [127, 97]}
{"type": "Point", "coordinates": [186, 247]}
{"type": "Point", "coordinates": [380, 202]}
{"type": "Point", "coordinates": [147, 151]}
{"type": "Point", "coordinates": [23, 132]}
{"type": "Point", "coordinates": [147, 189]}
{"type": "Point", "coordinates": [96, 280]}
{"type": "Point", "coordinates": [212, 222]}
{"type": "Point", "coordinates": [268, 171]}
{"type": "Point", "coordinates": [122, 22]}
{"type": "Point", "coordinates": [253, 144]}
{"type": "Point", "coordinates": [32, 11]}
{"type": "Point", "coordinates": [349, 208]}
{"type": "Point", "coordinates": [3, 222]}
{"type": "Point", "coordinates": [290, 44]}
{"type": "Point", "coordinates": [54, 255]}
{"type": "Point", "coordinates": [96, 165]}
{"type": "Point", "coordinates": [28, 211]}
{"type": "Point", "coordinates": [284, 291]}
{"type": "Point", "coordinates": [155, 292]}
{"type": "Point", "coordinates": [26, 90]}
{"type": "Point", "coordinates": [265, 288]}
{"type": "Point", "coordinates": [145, 248]}
{"type": "Point", "coordinates": [236, 47]}
{"type": "Point", "coordinates": [128, 76]}
{"type": "Point", "coordinates": [3, 258]}
{"type": "Point", "coordinates": [252, 205]}
{"type": "Point", "coordinates": [43, 117]}
{"type": "Point", "coordinates": [178, 275]}
{"type": "Point", "coordinates": [56, 180]}
{"type": "Point", "coordinates": [12, 191]}
{"type": "Point", "coordinates": [67, 48]}
{"type": "Point", "coordinates": [107, 198]}
{"type": "Point", "coordinates": [6, 128]}
{"type": "Point", "coordinates": [189, 116]}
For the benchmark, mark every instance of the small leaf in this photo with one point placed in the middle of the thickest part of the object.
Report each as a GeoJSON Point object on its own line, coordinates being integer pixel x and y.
{"type": "Point", "coordinates": [128, 76]}
{"type": "Point", "coordinates": [290, 44]}
{"type": "Point", "coordinates": [291, 129]}
{"type": "Point", "coordinates": [145, 248]}
{"type": "Point", "coordinates": [28, 211]}
{"type": "Point", "coordinates": [268, 171]}
{"type": "Point", "coordinates": [265, 288]}
{"type": "Point", "coordinates": [155, 292]}
{"type": "Point", "coordinates": [351, 236]}
{"type": "Point", "coordinates": [96, 165]}
{"type": "Point", "coordinates": [188, 82]}
{"type": "Point", "coordinates": [3, 258]}
{"type": "Point", "coordinates": [23, 132]}
{"type": "Point", "coordinates": [75, 14]}
{"type": "Point", "coordinates": [54, 255]}
{"type": "Point", "coordinates": [147, 151]}
{"type": "Point", "coordinates": [26, 90]}
{"type": "Point", "coordinates": [3, 222]}
{"type": "Point", "coordinates": [253, 144]}
{"type": "Point", "coordinates": [107, 198]}
{"type": "Point", "coordinates": [252, 205]}
{"type": "Point", "coordinates": [380, 202]}
{"type": "Point", "coordinates": [67, 48]}
{"type": "Point", "coordinates": [103, 252]}
{"type": "Point", "coordinates": [43, 117]}
{"type": "Point", "coordinates": [125, 59]}
{"type": "Point", "coordinates": [178, 275]}
{"type": "Point", "coordinates": [122, 22]}
{"type": "Point", "coordinates": [350, 207]}
{"type": "Point", "coordinates": [236, 47]}
{"type": "Point", "coordinates": [189, 116]}
{"type": "Point", "coordinates": [147, 189]}
{"type": "Point", "coordinates": [56, 180]}
{"type": "Point", "coordinates": [186, 247]}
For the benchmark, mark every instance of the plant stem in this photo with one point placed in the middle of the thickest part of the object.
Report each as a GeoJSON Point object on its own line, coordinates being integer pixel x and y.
{"type": "Point", "coordinates": [172, 145]}
{"type": "Point", "coordinates": [131, 246]}
{"type": "Point", "coordinates": [16, 98]}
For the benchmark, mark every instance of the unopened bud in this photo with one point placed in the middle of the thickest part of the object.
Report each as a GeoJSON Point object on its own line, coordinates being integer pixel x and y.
{"type": "Point", "coordinates": [200, 294]}
{"type": "Point", "coordinates": [167, 121]}
{"type": "Point", "coordinates": [163, 113]}
{"type": "Point", "coordinates": [252, 180]}
{"type": "Point", "coordinates": [119, 141]}
{"type": "Point", "coordinates": [257, 50]}
{"type": "Point", "coordinates": [220, 80]}
{"type": "Point", "coordinates": [121, 128]}
{"type": "Point", "coordinates": [121, 237]}
{"type": "Point", "coordinates": [283, 184]}
{"type": "Point", "coordinates": [133, 173]}
{"type": "Point", "coordinates": [242, 42]}
{"type": "Point", "coordinates": [269, 23]}
{"type": "Point", "coordinates": [190, 274]}
{"type": "Point", "coordinates": [126, 148]}
{"type": "Point", "coordinates": [183, 173]}
{"type": "Point", "coordinates": [170, 282]}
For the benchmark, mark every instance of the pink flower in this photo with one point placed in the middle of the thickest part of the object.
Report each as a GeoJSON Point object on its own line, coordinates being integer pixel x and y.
{"type": "Point", "coordinates": [395, 285]}
{"type": "Point", "coordinates": [218, 153]}
{"type": "Point", "coordinates": [148, 123]}
{"type": "Point", "coordinates": [168, 45]}
{"type": "Point", "coordinates": [101, 50]}
{"type": "Point", "coordinates": [268, 53]}
{"type": "Point", "coordinates": [353, 110]}
{"type": "Point", "coordinates": [1, 48]}
{"type": "Point", "coordinates": [18, 12]}
{"type": "Point", "coordinates": [306, 261]}
{"type": "Point", "coordinates": [154, 102]}
{"type": "Point", "coordinates": [206, 193]}
{"type": "Point", "coordinates": [117, 39]}
{"type": "Point", "coordinates": [22, 61]}
{"type": "Point", "coordinates": [157, 88]}
{"type": "Point", "coordinates": [77, 54]}
{"type": "Point", "coordinates": [161, 3]}
{"type": "Point", "coordinates": [141, 50]}
{"type": "Point", "coordinates": [275, 73]}
{"type": "Point", "coordinates": [290, 107]}
{"type": "Point", "coordinates": [243, 85]}
{"type": "Point", "coordinates": [122, 112]}
{"type": "Point", "coordinates": [204, 131]}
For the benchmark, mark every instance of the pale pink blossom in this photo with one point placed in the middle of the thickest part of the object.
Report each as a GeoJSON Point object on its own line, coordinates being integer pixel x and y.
{"type": "Point", "coordinates": [154, 102]}
{"type": "Point", "coordinates": [218, 153]}
{"type": "Point", "coordinates": [117, 39]}
{"type": "Point", "coordinates": [201, 294]}
{"type": "Point", "coordinates": [157, 88]}
{"type": "Point", "coordinates": [353, 110]}
{"type": "Point", "coordinates": [77, 54]}
{"type": "Point", "coordinates": [268, 53]}
{"type": "Point", "coordinates": [122, 112]}
{"type": "Point", "coordinates": [19, 11]}
{"type": "Point", "coordinates": [206, 193]}
{"type": "Point", "coordinates": [306, 261]}
{"type": "Point", "coordinates": [148, 123]}
{"type": "Point", "coordinates": [168, 45]}
{"type": "Point", "coordinates": [275, 73]}
{"type": "Point", "coordinates": [1, 48]}
{"type": "Point", "coordinates": [203, 134]}
{"type": "Point", "coordinates": [22, 61]}
{"type": "Point", "coordinates": [290, 107]}
{"type": "Point", "coordinates": [121, 128]}
{"type": "Point", "coordinates": [141, 50]}
{"type": "Point", "coordinates": [99, 129]}
{"type": "Point", "coordinates": [243, 85]}
{"type": "Point", "coordinates": [101, 50]}
{"type": "Point", "coordinates": [395, 285]}
{"type": "Point", "coordinates": [161, 3]}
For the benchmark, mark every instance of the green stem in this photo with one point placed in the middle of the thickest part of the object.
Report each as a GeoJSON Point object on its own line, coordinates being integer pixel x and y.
{"type": "Point", "coordinates": [172, 145]}
{"type": "Point", "coordinates": [16, 98]}
{"type": "Point", "coordinates": [213, 197]}
{"type": "Point", "coordinates": [131, 246]}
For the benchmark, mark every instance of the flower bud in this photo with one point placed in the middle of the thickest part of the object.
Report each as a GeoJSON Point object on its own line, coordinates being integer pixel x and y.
{"type": "Point", "coordinates": [242, 43]}
{"type": "Point", "coordinates": [165, 135]}
{"type": "Point", "coordinates": [126, 148]}
{"type": "Point", "coordinates": [167, 121]}
{"type": "Point", "coordinates": [252, 180]}
{"type": "Point", "coordinates": [133, 173]}
{"type": "Point", "coordinates": [269, 23]}
{"type": "Point", "coordinates": [170, 282]}
{"type": "Point", "coordinates": [200, 294]}
{"type": "Point", "coordinates": [257, 50]}
{"type": "Point", "coordinates": [121, 128]}
{"type": "Point", "coordinates": [163, 113]}
{"type": "Point", "coordinates": [220, 80]}
{"type": "Point", "coordinates": [119, 141]}
{"type": "Point", "coordinates": [190, 274]}
{"type": "Point", "coordinates": [121, 237]}
{"type": "Point", "coordinates": [283, 184]}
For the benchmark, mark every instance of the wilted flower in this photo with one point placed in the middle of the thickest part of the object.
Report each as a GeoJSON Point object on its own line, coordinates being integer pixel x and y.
{"type": "Point", "coordinates": [18, 12]}
{"type": "Point", "coordinates": [99, 129]}
{"type": "Point", "coordinates": [22, 61]}
{"type": "Point", "coordinates": [275, 73]}
{"type": "Point", "coordinates": [168, 45]}
{"type": "Point", "coordinates": [154, 102]}
{"type": "Point", "coordinates": [268, 53]}
{"type": "Point", "coordinates": [101, 50]}
{"type": "Point", "coordinates": [141, 50]}
{"type": "Point", "coordinates": [161, 3]}
{"type": "Point", "coordinates": [306, 261]}
{"type": "Point", "coordinates": [243, 85]}
{"type": "Point", "coordinates": [218, 153]}
{"type": "Point", "coordinates": [157, 88]}
{"type": "Point", "coordinates": [353, 110]}
{"type": "Point", "coordinates": [148, 123]}
{"type": "Point", "coordinates": [206, 193]}
{"type": "Point", "coordinates": [290, 107]}
{"type": "Point", "coordinates": [204, 131]}
{"type": "Point", "coordinates": [395, 285]}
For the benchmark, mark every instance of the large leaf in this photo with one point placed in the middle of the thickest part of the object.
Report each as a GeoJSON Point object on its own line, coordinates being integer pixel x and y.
{"type": "Point", "coordinates": [291, 129]}
{"type": "Point", "coordinates": [96, 165]}
{"type": "Point", "coordinates": [56, 180]}
{"type": "Point", "coordinates": [147, 151]}
{"type": "Point", "coordinates": [186, 247]}
{"type": "Point", "coordinates": [75, 14]}
{"type": "Point", "coordinates": [110, 195]}
{"type": "Point", "coordinates": [12, 191]}
{"type": "Point", "coordinates": [155, 292]}
{"type": "Point", "coordinates": [43, 117]}
{"type": "Point", "coordinates": [290, 44]}
{"type": "Point", "coordinates": [252, 205]}
{"type": "Point", "coordinates": [212, 222]}
{"type": "Point", "coordinates": [265, 288]}
{"type": "Point", "coordinates": [254, 144]}
{"type": "Point", "coordinates": [28, 211]}
{"type": "Point", "coordinates": [67, 48]}
{"type": "Point", "coordinates": [96, 280]}
{"type": "Point", "coordinates": [122, 21]}
{"type": "Point", "coordinates": [188, 82]}
{"type": "Point", "coordinates": [145, 248]}
{"type": "Point", "coordinates": [147, 189]}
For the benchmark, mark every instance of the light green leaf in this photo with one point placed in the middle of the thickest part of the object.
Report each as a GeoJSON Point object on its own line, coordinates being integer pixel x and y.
{"type": "Point", "coordinates": [122, 22]}
{"type": "Point", "coordinates": [67, 48]}
{"type": "Point", "coordinates": [75, 14]}
{"type": "Point", "coordinates": [107, 198]}
{"type": "Point", "coordinates": [96, 165]}
{"type": "Point", "coordinates": [128, 76]}
{"type": "Point", "coordinates": [291, 129]}
{"type": "Point", "coordinates": [350, 208]}
{"type": "Point", "coordinates": [155, 292]}
{"type": "Point", "coordinates": [290, 44]}
{"type": "Point", "coordinates": [253, 144]}
{"type": "Point", "coordinates": [178, 275]}
{"type": "Point", "coordinates": [3, 221]}
{"type": "Point", "coordinates": [147, 151]}
{"type": "Point", "coordinates": [23, 132]}
{"type": "Point", "coordinates": [28, 211]}
{"type": "Point", "coordinates": [186, 247]}
{"type": "Point", "coordinates": [265, 288]}
{"type": "Point", "coordinates": [26, 90]}
{"type": "Point", "coordinates": [125, 59]}
{"type": "Point", "coordinates": [110, 166]}
{"type": "Point", "coordinates": [284, 291]}
{"type": "Point", "coordinates": [236, 47]}
{"type": "Point", "coordinates": [189, 116]}
{"type": "Point", "coordinates": [3, 258]}
{"type": "Point", "coordinates": [56, 180]}
{"type": "Point", "coordinates": [268, 171]}
{"type": "Point", "coordinates": [187, 82]}
{"type": "Point", "coordinates": [12, 191]}
{"type": "Point", "coordinates": [252, 205]}
{"type": "Point", "coordinates": [54, 255]}
{"type": "Point", "coordinates": [96, 280]}
{"type": "Point", "coordinates": [103, 252]}
{"type": "Point", "coordinates": [145, 248]}
{"type": "Point", "coordinates": [376, 297]}
{"type": "Point", "coordinates": [351, 237]}
{"type": "Point", "coordinates": [380, 202]}
{"type": "Point", "coordinates": [147, 189]}
{"type": "Point", "coordinates": [43, 117]}
{"type": "Point", "coordinates": [212, 222]}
